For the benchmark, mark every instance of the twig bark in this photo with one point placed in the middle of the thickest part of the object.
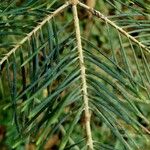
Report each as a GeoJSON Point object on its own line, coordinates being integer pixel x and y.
{"type": "Point", "coordinates": [83, 77]}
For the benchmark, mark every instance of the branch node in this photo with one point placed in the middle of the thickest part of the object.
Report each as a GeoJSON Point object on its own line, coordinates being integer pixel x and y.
{"type": "Point", "coordinates": [74, 2]}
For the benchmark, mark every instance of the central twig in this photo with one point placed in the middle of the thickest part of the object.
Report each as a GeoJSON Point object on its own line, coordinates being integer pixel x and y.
{"type": "Point", "coordinates": [83, 76]}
